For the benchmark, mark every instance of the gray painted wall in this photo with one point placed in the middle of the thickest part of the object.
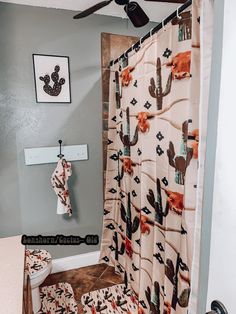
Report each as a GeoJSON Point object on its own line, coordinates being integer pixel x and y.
{"type": "Point", "coordinates": [27, 201]}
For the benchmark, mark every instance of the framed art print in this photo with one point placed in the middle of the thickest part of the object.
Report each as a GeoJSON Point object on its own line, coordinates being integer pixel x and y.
{"type": "Point", "coordinates": [52, 78]}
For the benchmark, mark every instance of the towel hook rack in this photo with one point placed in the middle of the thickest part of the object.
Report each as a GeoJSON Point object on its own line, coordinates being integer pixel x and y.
{"type": "Point", "coordinates": [60, 154]}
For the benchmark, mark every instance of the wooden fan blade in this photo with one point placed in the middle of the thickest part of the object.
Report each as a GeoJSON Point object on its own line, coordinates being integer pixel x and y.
{"type": "Point", "coordinates": [92, 9]}
{"type": "Point", "coordinates": [170, 1]}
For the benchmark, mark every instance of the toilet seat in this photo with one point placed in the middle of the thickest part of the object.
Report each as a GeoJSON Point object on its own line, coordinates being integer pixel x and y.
{"type": "Point", "coordinates": [36, 261]}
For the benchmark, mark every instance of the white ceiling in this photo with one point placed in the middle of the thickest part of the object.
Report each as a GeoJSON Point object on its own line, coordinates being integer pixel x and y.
{"type": "Point", "coordinates": [156, 11]}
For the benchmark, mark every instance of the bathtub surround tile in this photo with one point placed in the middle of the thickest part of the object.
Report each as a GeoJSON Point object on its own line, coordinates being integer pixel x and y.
{"type": "Point", "coordinates": [113, 45]}
{"type": "Point", "coordinates": [104, 162]}
{"type": "Point", "coordinates": [105, 136]}
{"type": "Point", "coordinates": [85, 279]}
{"type": "Point", "coordinates": [105, 110]}
{"type": "Point", "coordinates": [105, 125]}
{"type": "Point", "coordinates": [105, 84]}
{"type": "Point", "coordinates": [106, 47]}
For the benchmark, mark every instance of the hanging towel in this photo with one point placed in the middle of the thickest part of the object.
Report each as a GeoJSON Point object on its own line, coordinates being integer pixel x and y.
{"type": "Point", "coordinates": [59, 180]}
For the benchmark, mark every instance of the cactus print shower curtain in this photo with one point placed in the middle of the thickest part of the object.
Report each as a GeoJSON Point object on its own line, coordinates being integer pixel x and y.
{"type": "Point", "coordinates": [151, 178]}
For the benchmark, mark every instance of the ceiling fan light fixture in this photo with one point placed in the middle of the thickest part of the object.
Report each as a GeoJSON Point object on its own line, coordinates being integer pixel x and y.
{"type": "Point", "coordinates": [136, 14]}
{"type": "Point", "coordinates": [121, 2]}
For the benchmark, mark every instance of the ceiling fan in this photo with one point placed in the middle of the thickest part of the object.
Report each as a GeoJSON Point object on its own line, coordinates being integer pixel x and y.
{"type": "Point", "coordinates": [133, 10]}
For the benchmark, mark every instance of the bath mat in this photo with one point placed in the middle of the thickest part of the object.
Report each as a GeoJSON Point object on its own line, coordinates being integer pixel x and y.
{"type": "Point", "coordinates": [58, 299]}
{"type": "Point", "coordinates": [115, 299]}
{"type": "Point", "coordinates": [36, 260]}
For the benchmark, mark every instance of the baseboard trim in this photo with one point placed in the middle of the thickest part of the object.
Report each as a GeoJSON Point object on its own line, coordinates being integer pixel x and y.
{"type": "Point", "coordinates": [75, 261]}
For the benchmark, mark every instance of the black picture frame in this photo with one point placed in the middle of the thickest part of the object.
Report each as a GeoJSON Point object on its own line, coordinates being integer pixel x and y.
{"type": "Point", "coordinates": [52, 85]}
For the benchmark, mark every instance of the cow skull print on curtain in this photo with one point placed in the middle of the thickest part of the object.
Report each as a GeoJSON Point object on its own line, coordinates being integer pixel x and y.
{"type": "Point", "coordinates": [149, 215]}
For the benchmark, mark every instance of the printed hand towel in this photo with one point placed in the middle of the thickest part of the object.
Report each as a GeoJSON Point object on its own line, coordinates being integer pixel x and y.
{"type": "Point", "coordinates": [59, 180]}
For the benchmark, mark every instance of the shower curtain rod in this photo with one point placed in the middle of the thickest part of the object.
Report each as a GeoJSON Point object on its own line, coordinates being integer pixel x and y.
{"type": "Point", "coordinates": [154, 30]}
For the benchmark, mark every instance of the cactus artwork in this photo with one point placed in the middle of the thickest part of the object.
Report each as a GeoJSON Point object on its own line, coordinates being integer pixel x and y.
{"type": "Point", "coordinates": [118, 92]}
{"type": "Point", "coordinates": [54, 90]}
{"type": "Point", "coordinates": [127, 163]}
{"type": "Point", "coordinates": [156, 89]}
{"type": "Point", "coordinates": [131, 224]}
{"type": "Point", "coordinates": [180, 162]}
{"type": "Point", "coordinates": [52, 78]}
{"type": "Point", "coordinates": [118, 251]}
{"type": "Point", "coordinates": [125, 137]}
{"type": "Point", "coordinates": [183, 298]}
{"type": "Point", "coordinates": [157, 203]}
{"type": "Point", "coordinates": [154, 298]}
{"type": "Point", "coordinates": [174, 202]}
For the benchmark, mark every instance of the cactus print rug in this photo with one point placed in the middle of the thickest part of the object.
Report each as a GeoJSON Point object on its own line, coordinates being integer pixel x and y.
{"type": "Point", "coordinates": [152, 172]}
{"type": "Point", "coordinates": [115, 299]}
{"type": "Point", "coordinates": [58, 299]}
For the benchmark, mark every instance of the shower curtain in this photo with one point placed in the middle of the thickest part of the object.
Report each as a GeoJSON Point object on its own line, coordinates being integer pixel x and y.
{"type": "Point", "coordinates": [152, 168]}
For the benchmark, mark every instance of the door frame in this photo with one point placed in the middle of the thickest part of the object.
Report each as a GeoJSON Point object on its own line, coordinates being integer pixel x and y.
{"type": "Point", "coordinates": [210, 155]}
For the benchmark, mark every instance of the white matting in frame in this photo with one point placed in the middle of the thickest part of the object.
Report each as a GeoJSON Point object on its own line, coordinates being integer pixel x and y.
{"type": "Point", "coordinates": [52, 78]}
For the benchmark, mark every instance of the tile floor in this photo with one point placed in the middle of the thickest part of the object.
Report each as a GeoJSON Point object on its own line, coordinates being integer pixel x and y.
{"type": "Point", "coordinates": [86, 279]}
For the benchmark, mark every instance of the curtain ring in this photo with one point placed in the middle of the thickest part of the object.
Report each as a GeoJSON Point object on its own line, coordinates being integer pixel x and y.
{"type": "Point", "coordinates": [177, 13]}
{"type": "Point", "coordinates": [125, 55]}
{"type": "Point", "coordinates": [163, 25]}
{"type": "Point", "coordinates": [151, 30]}
{"type": "Point", "coordinates": [132, 47]}
{"type": "Point", "coordinates": [140, 42]}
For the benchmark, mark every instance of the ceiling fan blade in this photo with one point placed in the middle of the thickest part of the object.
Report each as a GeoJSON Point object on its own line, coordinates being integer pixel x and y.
{"type": "Point", "coordinates": [166, 1]}
{"type": "Point", "coordinates": [92, 9]}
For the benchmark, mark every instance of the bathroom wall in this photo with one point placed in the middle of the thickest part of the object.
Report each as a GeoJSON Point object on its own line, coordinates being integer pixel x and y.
{"type": "Point", "coordinates": [27, 201]}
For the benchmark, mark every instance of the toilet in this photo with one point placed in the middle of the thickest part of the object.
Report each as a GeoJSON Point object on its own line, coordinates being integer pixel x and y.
{"type": "Point", "coordinates": [38, 265]}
